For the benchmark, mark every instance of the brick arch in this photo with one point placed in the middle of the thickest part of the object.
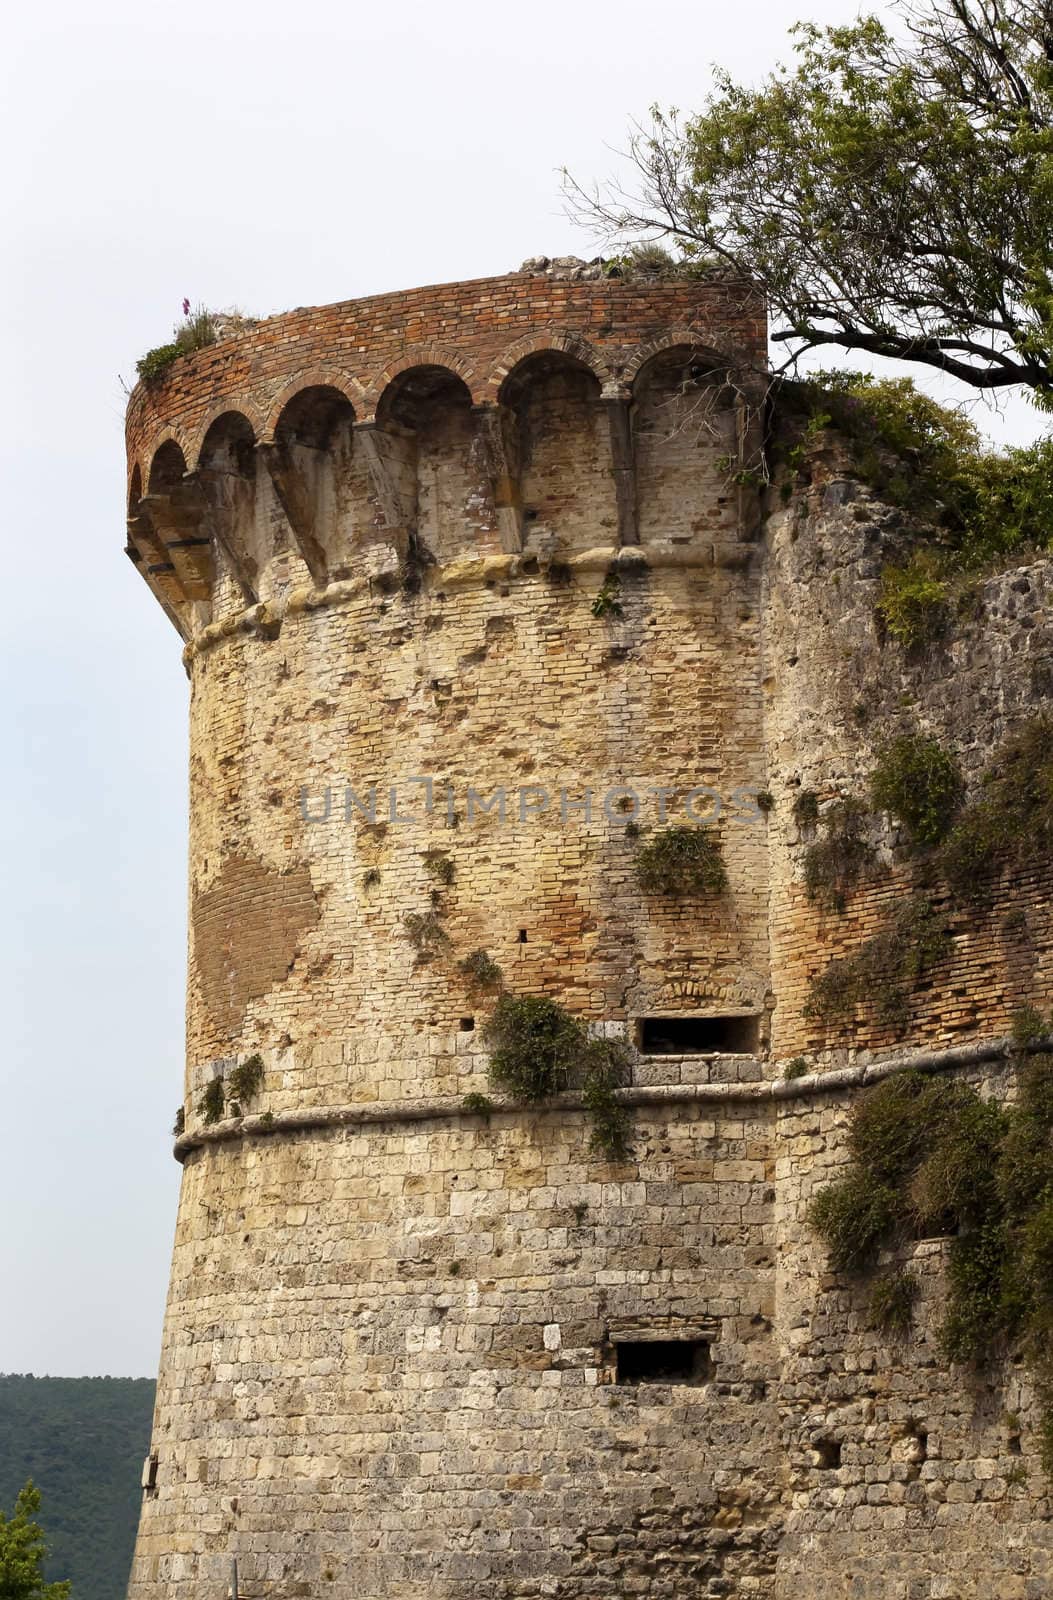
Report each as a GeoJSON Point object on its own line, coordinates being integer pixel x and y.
{"type": "Point", "coordinates": [243, 405]}
{"type": "Point", "coordinates": [147, 455]}
{"type": "Point", "coordinates": [320, 377]}
{"type": "Point", "coordinates": [150, 455]}
{"type": "Point", "coordinates": [553, 340]}
{"type": "Point", "coordinates": [674, 339]}
{"type": "Point", "coordinates": [420, 355]}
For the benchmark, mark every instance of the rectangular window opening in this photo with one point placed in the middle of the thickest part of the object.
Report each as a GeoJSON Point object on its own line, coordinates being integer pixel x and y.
{"type": "Point", "coordinates": [664, 1361]}
{"type": "Point", "coordinates": [699, 1036]}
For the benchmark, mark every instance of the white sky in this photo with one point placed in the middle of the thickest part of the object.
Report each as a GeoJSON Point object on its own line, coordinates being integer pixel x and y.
{"type": "Point", "coordinates": [262, 156]}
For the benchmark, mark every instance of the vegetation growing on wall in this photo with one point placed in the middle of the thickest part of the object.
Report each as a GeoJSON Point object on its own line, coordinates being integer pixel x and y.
{"type": "Point", "coordinates": [972, 506]}
{"type": "Point", "coordinates": [607, 601]}
{"type": "Point", "coordinates": [681, 861]}
{"type": "Point", "coordinates": [930, 1156]}
{"type": "Point", "coordinates": [914, 601]}
{"type": "Point", "coordinates": [537, 1049]}
{"type": "Point", "coordinates": [213, 1098]}
{"type": "Point", "coordinates": [834, 864]}
{"type": "Point", "coordinates": [245, 1080]}
{"type": "Point", "coordinates": [883, 970]}
{"type": "Point", "coordinates": [195, 332]}
{"type": "Point", "coordinates": [481, 970]}
{"type": "Point", "coordinates": [426, 933]}
{"type": "Point", "coordinates": [1010, 822]}
{"type": "Point", "coordinates": [920, 784]}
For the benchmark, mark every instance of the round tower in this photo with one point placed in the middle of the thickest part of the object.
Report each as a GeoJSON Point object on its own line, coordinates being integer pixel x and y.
{"type": "Point", "coordinates": [467, 582]}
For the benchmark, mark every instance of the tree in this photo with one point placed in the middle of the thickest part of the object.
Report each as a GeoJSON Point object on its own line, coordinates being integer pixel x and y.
{"type": "Point", "coordinates": [890, 192]}
{"type": "Point", "coordinates": [22, 1552]}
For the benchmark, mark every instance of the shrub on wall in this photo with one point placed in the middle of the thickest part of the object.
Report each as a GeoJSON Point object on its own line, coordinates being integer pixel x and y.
{"type": "Point", "coordinates": [920, 784]}
{"type": "Point", "coordinates": [836, 862]}
{"type": "Point", "coordinates": [882, 971]}
{"type": "Point", "coordinates": [914, 601]}
{"type": "Point", "coordinates": [930, 1155]}
{"type": "Point", "coordinates": [196, 332]}
{"type": "Point", "coordinates": [537, 1048]}
{"type": "Point", "coordinates": [1010, 822]}
{"type": "Point", "coordinates": [681, 861]}
{"type": "Point", "coordinates": [210, 1105]}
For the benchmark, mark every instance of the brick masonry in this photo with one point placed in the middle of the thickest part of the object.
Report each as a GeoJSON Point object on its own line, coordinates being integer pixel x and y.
{"type": "Point", "coordinates": [390, 1362]}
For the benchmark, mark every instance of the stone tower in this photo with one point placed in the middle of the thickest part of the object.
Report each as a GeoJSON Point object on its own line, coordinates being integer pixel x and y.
{"type": "Point", "coordinates": [475, 593]}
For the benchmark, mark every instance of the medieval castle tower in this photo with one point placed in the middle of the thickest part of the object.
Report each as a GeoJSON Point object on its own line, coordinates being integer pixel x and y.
{"type": "Point", "coordinates": [477, 594]}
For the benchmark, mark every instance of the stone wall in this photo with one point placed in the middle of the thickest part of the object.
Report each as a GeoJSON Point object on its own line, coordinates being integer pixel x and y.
{"type": "Point", "coordinates": [836, 692]}
{"type": "Point", "coordinates": [469, 593]}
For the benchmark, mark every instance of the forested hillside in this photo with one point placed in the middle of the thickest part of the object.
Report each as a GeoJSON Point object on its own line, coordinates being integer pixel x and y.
{"type": "Point", "coordinates": [82, 1441]}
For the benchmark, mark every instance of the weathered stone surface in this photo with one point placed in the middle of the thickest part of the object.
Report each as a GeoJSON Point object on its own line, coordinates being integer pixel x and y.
{"type": "Point", "coordinates": [390, 1355]}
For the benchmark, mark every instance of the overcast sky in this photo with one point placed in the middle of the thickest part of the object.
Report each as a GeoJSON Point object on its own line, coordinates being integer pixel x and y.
{"type": "Point", "coordinates": [266, 157]}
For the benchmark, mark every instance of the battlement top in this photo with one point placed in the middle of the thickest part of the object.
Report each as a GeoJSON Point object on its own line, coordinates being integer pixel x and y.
{"type": "Point", "coordinates": [479, 330]}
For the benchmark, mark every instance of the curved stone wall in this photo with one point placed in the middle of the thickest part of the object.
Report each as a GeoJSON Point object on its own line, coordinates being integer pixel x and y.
{"type": "Point", "coordinates": [472, 587]}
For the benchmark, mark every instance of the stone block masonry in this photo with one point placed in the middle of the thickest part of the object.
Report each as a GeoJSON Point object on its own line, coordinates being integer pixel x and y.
{"type": "Point", "coordinates": [470, 594]}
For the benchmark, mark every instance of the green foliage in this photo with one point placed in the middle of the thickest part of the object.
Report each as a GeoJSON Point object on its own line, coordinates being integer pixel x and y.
{"type": "Point", "coordinates": [920, 784]}
{"type": "Point", "coordinates": [82, 1442]}
{"type": "Point", "coordinates": [834, 864]}
{"type": "Point", "coordinates": [642, 261]}
{"type": "Point", "coordinates": [914, 601]}
{"type": "Point", "coordinates": [1028, 1027]}
{"type": "Point", "coordinates": [537, 1048]}
{"type": "Point", "coordinates": [245, 1080]}
{"type": "Point", "coordinates": [481, 970]}
{"type": "Point", "coordinates": [806, 809]}
{"type": "Point", "coordinates": [607, 1070]}
{"type": "Point", "coordinates": [853, 1217]}
{"type": "Point", "coordinates": [478, 1105]}
{"type": "Point", "coordinates": [440, 865]}
{"type": "Point", "coordinates": [797, 1068]}
{"type": "Point", "coordinates": [179, 1124]}
{"type": "Point", "coordinates": [883, 969]}
{"type": "Point", "coordinates": [765, 801]}
{"type": "Point", "coordinates": [426, 933]}
{"type": "Point", "coordinates": [22, 1552]}
{"type": "Point", "coordinates": [535, 1044]}
{"type": "Point", "coordinates": [681, 861]}
{"type": "Point", "coordinates": [1010, 822]}
{"type": "Point", "coordinates": [607, 602]}
{"type": "Point", "coordinates": [195, 333]}
{"type": "Point", "coordinates": [928, 1154]}
{"type": "Point", "coordinates": [887, 191]}
{"type": "Point", "coordinates": [892, 1302]}
{"type": "Point", "coordinates": [210, 1105]}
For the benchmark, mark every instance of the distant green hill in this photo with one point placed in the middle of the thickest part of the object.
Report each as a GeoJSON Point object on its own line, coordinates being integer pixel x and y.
{"type": "Point", "coordinates": [82, 1441]}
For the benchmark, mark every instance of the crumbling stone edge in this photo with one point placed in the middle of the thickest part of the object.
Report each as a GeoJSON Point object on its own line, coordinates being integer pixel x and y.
{"type": "Point", "coordinates": [447, 1107]}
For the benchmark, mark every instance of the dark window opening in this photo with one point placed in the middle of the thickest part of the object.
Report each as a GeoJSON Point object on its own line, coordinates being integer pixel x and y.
{"type": "Point", "coordinates": [522, 936]}
{"type": "Point", "coordinates": [698, 1036]}
{"type": "Point", "coordinates": [467, 1024]}
{"type": "Point", "coordinates": [664, 1361]}
{"type": "Point", "coordinates": [150, 1475]}
{"type": "Point", "coordinates": [828, 1454]}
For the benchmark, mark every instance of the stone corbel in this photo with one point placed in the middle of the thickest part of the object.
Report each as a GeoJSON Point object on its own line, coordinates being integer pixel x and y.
{"type": "Point", "coordinates": [623, 463]}
{"type": "Point", "coordinates": [378, 445]}
{"type": "Point", "coordinates": [215, 493]}
{"type": "Point", "coordinates": [177, 518]}
{"type": "Point", "coordinates": [299, 501]}
{"type": "Point", "coordinates": [147, 552]}
{"type": "Point", "coordinates": [497, 438]}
